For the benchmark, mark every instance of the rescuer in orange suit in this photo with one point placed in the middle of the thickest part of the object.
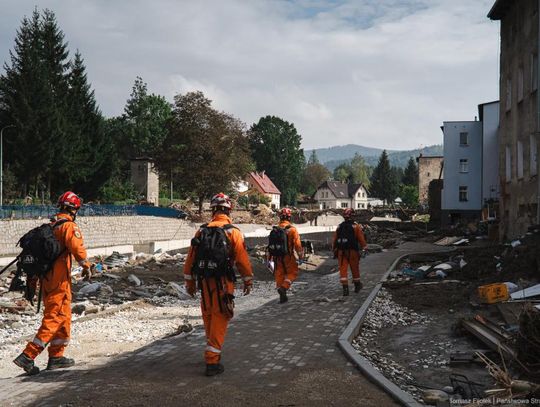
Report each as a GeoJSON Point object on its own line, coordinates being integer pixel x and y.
{"type": "Point", "coordinates": [349, 239]}
{"type": "Point", "coordinates": [56, 287]}
{"type": "Point", "coordinates": [286, 268]}
{"type": "Point", "coordinates": [217, 293]}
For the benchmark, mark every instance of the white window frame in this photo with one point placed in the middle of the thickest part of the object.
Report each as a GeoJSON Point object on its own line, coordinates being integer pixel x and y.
{"type": "Point", "coordinates": [463, 189]}
{"type": "Point", "coordinates": [344, 205]}
{"type": "Point", "coordinates": [463, 165]}
{"type": "Point", "coordinates": [533, 155]}
{"type": "Point", "coordinates": [519, 159]}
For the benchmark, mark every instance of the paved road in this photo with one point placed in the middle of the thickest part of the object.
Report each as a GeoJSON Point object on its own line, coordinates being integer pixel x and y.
{"type": "Point", "coordinates": [276, 355]}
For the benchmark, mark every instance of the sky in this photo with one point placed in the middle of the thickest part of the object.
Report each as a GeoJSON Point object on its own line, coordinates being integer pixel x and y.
{"type": "Point", "coordinates": [380, 73]}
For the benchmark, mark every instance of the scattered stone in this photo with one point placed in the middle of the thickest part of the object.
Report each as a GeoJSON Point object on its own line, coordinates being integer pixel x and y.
{"type": "Point", "coordinates": [133, 279]}
{"type": "Point", "coordinates": [177, 290]}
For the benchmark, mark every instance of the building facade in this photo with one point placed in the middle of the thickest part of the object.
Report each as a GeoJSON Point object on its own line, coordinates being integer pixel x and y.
{"type": "Point", "coordinates": [260, 182]}
{"type": "Point", "coordinates": [145, 179]}
{"type": "Point", "coordinates": [519, 115]}
{"type": "Point", "coordinates": [338, 195]}
{"type": "Point", "coordinates": [471, 168]}
{"type": "Point", "coordinates": [429, 168]}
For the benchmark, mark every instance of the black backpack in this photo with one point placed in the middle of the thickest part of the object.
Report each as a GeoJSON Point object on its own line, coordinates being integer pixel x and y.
{"type": "Point", "coordinates": [346, 239]}
{"type": "Point", "coordinates": [278, 243]}
{"type": "Point", "coordinates": [213, 256]}
{"type": "Point", "coordinates": [40, 249]}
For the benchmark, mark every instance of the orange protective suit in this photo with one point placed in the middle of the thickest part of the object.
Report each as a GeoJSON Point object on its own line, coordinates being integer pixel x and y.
{"type": "Point", "coordinates": [55, 327]}
{"type": "Point", "coordinates": [350, 257]}
{"type": "Point", "coordinates": [215, 320]}
{"type": "Point", "coordinates": [286, 268]}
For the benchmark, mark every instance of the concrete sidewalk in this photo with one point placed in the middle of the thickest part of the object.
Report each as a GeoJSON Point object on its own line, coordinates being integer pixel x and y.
{"type": "Point", "coordinates": [276, 355]}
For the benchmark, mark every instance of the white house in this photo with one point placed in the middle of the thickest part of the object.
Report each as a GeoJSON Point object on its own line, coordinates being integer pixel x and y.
{"type": "Point", "coordinates": [338, 195]}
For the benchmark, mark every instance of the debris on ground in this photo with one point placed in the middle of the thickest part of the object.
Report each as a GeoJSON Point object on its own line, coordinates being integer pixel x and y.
{"type": "Point", "coordinates": [480, 296]}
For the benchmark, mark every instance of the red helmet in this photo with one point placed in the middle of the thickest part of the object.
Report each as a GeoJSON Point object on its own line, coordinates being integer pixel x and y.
{"type": "Point", "coordinates": [348, 213]}
{"type": "Point", "coordinates": [221, 200]}
{"type": "Point", "coordinates": [70, 199]}
{"type": "Point", "coordinates": [285, 213]}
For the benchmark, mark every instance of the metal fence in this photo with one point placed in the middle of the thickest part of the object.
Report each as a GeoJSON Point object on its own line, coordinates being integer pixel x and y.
{"type": "Point", "coordinates": [47, 211]}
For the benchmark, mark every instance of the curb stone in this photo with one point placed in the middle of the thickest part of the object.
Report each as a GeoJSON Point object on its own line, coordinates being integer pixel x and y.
{"type": "Point", "coordinates": [353, 329]}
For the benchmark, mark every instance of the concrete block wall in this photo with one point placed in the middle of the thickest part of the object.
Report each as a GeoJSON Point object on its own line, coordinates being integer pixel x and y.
{"type": "Point", "coordinates": [101, 231]}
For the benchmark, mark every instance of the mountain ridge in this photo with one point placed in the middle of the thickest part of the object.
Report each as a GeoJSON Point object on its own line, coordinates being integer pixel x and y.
{"type": "Point", "coordinates": [333, 156]}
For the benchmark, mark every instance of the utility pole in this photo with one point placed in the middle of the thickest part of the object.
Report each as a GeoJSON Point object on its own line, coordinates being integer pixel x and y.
{"type": "Point", "coordinates": [2, 163]}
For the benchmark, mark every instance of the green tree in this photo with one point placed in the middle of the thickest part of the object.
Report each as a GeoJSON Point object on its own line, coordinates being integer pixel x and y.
{"type": "Point", "coordinates": [206, 151]}
{"type": "Point", "coordinates": [409, 195]}
{"type": "Point", "coordinates": [146, 116]}
{"type": "Point", "coordinates": [384, 184]}
{"type": "Point", "coordinates": [313, 159]}
{"type": "Point", "coordinates": [314, 175]}
{"type": "Point", "coordinates": [410, 176]}
{"type": "Point", "coordinates": [354, 172]}
{"type": "Point", "coordinates": [343, 172]}
{"type": "Point", "coordinates": [276, 148]}
{"type": "Point", "coordinates": [57, 142]}
{"type": "Point", "coordinates": [360, 171]}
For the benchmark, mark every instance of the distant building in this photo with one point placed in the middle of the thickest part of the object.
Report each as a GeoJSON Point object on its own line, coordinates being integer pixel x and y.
{"type": "Point", "coordinates": [519, 115]}
{"type": "Point", "coordinates": [260, 182]}
{"type": "Point", "coordinates": [338, 195]}
{"type": "Point", "coordinates": [145, 178]}
{"type": "Point", "coordinates": [470, 172]}
{"type": "Point", "coordinates": [429, 168]}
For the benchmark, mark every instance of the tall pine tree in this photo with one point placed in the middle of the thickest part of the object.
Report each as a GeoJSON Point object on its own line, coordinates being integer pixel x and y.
{"type": "Point", "coordinates": [48, 100]}
{"type": "Point", "coordinates": [384, 184]}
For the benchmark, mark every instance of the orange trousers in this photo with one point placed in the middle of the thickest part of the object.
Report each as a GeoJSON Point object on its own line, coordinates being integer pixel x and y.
{"type": "Point", "coordinates": [284, 276]}
{"type": "Point", "coordinates": [348, 258]}
{"type": "Point", "coordinates": [214, 318]}
{"type": "Point", "coordinates": [55, 329]}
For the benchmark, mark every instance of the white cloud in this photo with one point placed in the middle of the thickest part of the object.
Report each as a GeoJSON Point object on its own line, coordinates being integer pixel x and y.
{"type": "Point", "coordinates": [383, 73]}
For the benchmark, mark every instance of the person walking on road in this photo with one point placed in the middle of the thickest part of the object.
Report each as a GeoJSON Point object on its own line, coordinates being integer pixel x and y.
{"type": "Point", "coordinates": [55, 327]}
{"type": "Point", "coordinates": [283, 242]}
{"type": "Point", "coordinates": [349, 245]}
{"type": "Point", "coordinates": [216, 248]}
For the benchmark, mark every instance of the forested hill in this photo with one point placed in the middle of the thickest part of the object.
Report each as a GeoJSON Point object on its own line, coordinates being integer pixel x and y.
{"type": "Point", "coordinates": [333, 156]}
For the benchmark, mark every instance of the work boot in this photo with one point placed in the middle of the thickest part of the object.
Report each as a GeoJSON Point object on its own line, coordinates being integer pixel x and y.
{"type": "Point", "coordinates": [214, 369]}
{"type": "Point", "coordinates": [27, 364]}
{"type": "Point", "coordinates": [358, 286]}
{"type": "Point", "coordinates": [59, 363]}
{"type": "Point", "coordinates": [282, 295]}
{"type": "Point", "coordinates": [345, 290]}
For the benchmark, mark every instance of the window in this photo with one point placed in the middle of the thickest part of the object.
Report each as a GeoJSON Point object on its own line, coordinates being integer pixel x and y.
{"type": "Point", "coordinates": [463, 138]}
{"type": "Point", "coordinates": [520, 85]}
{"type": "Point", "coordinates": [508, 164]}
{"type": "Point", "coordinates": [520, 160]}
{"type": "Point", "coordinates": [534, 72]}
{"type": "Point", "coordinates": [359, 195]}
{"type": "Point", "coordinates": [358, 206]}
{"type": "Point", "coordinates": [533, 163]}
{"type": "Point", "coordinates": [463, 194]}
{"type": "Point", "coordinates": [463, 165]}
{"type": "Point", "coordinates": [344, 205]}
{"type": "Point", "coordinates": [508, 105]}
